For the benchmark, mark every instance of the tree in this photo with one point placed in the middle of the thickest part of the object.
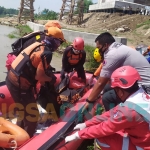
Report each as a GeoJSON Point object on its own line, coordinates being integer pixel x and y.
{"type": "Point", "coordinates": [4, 11]}
{"type": "Point", "coordinates": [47, 14]}
{"type": "Point", "coordinates": [86, 5]}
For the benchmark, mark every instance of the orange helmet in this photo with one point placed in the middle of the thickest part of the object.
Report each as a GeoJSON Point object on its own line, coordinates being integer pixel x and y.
{"type": "Point", "coordinates": [78, 43]}
{"type": "Point", "coordinates": [56, 33]}
{"type": "Point", "coordinates": [52, 24]}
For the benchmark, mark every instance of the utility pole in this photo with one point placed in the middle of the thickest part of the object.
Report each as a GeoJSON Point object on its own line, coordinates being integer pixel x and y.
{"type": "Point", "coordinates": [26, 10]}
{"type": "Point", "coordinates": [68, 8]}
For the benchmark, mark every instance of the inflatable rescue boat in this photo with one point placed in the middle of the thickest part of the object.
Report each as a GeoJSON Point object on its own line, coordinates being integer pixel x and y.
{"type": "Point", "coordinates": [51, 136]}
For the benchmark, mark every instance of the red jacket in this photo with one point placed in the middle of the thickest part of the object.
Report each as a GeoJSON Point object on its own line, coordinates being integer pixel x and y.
{"type": "Point", "coordinates": [115, 120]}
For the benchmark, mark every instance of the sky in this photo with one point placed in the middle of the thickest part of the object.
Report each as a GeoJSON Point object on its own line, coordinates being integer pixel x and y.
{"type": "Point", "coordinates": [54, 5]}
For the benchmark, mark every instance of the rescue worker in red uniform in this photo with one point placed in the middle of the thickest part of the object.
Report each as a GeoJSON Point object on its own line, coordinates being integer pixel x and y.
{"type": "Point", "coordinates": [32, 65]}
{"type": "Point", "coordinates": [74, 59]}
{"type": "Point", "coordinates": [125, 127]}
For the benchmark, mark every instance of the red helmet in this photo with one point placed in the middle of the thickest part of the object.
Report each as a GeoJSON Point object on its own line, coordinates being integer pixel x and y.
{"type": "Point", "coordinates": [78, 43]}
{"type": "Point", "coordinates": [124, 77]}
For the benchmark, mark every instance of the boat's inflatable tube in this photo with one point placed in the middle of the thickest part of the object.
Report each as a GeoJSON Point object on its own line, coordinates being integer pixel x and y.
{"type": "Point", "coordinates": [6, 101]}
{"type": "Point", "coordinates": [11, 135]}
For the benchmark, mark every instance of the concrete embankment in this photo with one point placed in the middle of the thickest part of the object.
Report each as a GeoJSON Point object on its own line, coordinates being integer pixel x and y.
{"type": "Point", "coordinates": [89, 38]}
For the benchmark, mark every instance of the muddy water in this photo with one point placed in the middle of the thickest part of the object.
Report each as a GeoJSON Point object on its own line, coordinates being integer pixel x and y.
{"type": "Point", "coordinates": [5, 48]}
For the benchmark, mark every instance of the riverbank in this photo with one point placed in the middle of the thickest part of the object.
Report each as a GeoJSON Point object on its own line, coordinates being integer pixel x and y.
{"type": "Point", "coordinates": [9, 21]}
{"type": "Point", "coordinates": [139, 25]}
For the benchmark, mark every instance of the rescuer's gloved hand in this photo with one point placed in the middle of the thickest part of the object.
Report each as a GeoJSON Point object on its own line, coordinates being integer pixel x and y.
{"type": "Point", "coordinates": [72, 137]}
{"type": "Point", "coordinates": [80, 126]}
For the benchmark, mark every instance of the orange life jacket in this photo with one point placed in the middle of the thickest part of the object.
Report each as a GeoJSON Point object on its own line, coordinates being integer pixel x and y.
{"type": "Point", "coordinates": [97, 72]}
{"type": "Point", "coordinates": [22, 59]}
{"type": "Point", "coordinates": [22, 66]}
{"type": "Point", "coordinates": [73, 59]}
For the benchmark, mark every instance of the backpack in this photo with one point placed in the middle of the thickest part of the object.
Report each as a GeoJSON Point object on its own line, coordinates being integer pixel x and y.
{"type": "Point", "coordinates": [21, 44]}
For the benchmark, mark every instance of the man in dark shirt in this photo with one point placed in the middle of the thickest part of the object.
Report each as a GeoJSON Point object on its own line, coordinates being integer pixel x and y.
{"type": "Point", "coordinates": [74, 59]}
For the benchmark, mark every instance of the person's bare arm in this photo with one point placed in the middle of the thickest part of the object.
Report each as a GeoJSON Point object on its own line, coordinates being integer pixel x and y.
{"type": "Point", "coordinates": [98, 87]}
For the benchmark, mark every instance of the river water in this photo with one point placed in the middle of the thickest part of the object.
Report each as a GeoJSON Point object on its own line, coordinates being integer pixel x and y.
{"type": "Point", "coordinates": [5, 48]}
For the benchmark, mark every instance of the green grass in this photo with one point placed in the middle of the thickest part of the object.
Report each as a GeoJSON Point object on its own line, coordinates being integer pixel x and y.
{"type": "Point", "coordinates": [11, 36]}
{"type": "Point", "coordinates": [91, 64]}
{"type": "Point", "coordinates": [24, 30]}
{"type": "Point", "coordinates": [146, 27]}
{"type": "Point", "coordinates": [144, 23]}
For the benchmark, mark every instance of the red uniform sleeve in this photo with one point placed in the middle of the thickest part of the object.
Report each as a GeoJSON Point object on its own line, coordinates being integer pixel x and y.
{"type": "Point", "coordinates": [110, 123]}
